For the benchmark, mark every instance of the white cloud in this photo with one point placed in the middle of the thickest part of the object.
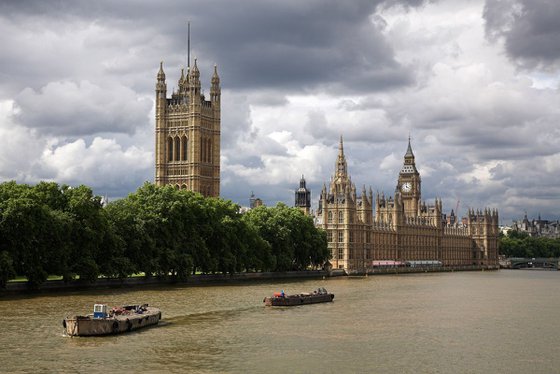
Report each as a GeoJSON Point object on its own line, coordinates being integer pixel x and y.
{"type": "Point", "coordinates": [20, 147]}
{"type": "Point", "coordinates": [103, 165]}
{"type": "Point", "coordinates": [82, 108]}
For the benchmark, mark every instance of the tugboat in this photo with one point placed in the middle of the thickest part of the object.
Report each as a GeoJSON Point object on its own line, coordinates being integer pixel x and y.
{"type": "Point", "coordinates": [320, 295]}
{"type": "Point", "coordinates": [114, 321]}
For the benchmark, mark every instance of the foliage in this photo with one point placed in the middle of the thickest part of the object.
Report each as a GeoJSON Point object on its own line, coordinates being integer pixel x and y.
{"type": "Point", "coordinates": [49, 229]}
{"type": "Point", "coordinates": [295, 242]}
{"type": "Point", "coordinates": [519, 244]}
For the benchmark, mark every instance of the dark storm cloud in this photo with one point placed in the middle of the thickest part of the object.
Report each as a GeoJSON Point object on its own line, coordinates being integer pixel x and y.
{"type": "Point", "coordinates": [530, 28]}
{"type": "Point", "coordinates": [289, 44]}
{"type": "Point", "coordinates": [295, 76]}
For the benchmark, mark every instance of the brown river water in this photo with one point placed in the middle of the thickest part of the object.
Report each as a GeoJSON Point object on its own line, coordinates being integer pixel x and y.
{"type": "Point", "coordinates": [504, 321]}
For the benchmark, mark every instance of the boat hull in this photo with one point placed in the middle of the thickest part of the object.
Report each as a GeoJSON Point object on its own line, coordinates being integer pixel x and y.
{"type": "Point", "coordinates": [293, 300]}
{"type": "Point", "coordinates": [88, 326]}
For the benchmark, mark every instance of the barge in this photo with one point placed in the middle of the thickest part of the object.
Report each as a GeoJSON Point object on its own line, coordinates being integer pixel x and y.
{"type": "Point", "coordinates": [114, 321]}
{"type": "Point", "coordinates": [281, 299]}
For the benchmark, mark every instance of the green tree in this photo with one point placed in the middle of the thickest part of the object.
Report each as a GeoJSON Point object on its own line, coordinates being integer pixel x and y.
{"type": "Point", "coordinates": [7, 271]}
{"type": "Point", "coordinates": [294, 240]}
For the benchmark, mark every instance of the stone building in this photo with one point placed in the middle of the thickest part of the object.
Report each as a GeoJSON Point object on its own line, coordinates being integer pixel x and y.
{"type": "Point", "coordinates": [539, 228]}
{"type": "Point", "coordinates": [187, 150]}
{"type": "Point", "coordinates": [303, 197]}
{"type": "Point", "coordinates": [403, 227]}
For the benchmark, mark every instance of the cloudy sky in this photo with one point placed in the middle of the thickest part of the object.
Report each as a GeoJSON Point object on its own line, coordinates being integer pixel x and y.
{"type": "Point", "coordinates": [474, 83]}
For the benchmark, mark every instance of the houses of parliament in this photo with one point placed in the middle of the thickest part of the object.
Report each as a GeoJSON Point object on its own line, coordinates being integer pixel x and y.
{"type": "Point", "coordinates": [360, 229]}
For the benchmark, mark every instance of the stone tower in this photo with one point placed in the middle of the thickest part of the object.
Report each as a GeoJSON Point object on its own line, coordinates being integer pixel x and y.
{"type": "Point", "coordinates": [303, 197]}
{"type": "Point", "coordinates": [187, 148]}
{"type": "Point", "coordinates": [409, 184]}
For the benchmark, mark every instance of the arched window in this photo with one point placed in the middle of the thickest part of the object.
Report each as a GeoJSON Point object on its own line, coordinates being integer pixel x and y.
{"type": "Point", "coordinates": [177, 149]}
{"type": "Point", "coordinates": [185, 148]}
{"type": "Point", "coordinates": [329, 217]}
{"type": "Point", "coordinates": [340, 217]}
{"type": "Point", "coordinates": [209, 151]}
{"type": "Point", "coordinates": [169, 149]}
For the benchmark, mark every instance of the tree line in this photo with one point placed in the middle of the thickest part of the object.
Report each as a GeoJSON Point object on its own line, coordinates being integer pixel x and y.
{"type": "Point", "coordinates": [520, 244]}
{"type": "Point", "coordinates": [48, 229]}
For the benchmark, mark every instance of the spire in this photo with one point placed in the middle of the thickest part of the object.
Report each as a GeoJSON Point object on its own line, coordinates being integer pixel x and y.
{"type": "Point", "coordinates": [161, 87]}
{"type": "Point", "coordinates": [215, 87]}
{"type": "Point", "coordinates": [302, 182]}
{"type": "Point", "coordinates": [195, 72]}
{"type": "Point", "coordinates": [215, 77]}
{"type": "Point", "coordinates": [409, 166]}
{"type": "Point", "coordinates": [341, 167]}
{"type": "Point", "coordinates": [161, 74]}
{"type": "Point", "coordinates": [409, 149]}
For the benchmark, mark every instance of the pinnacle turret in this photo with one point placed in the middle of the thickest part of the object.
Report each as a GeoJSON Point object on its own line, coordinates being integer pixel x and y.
{"type": "Point", "coordinates": [215, 87]}
{"type": "Point", "coordinates": [161, 74]}
{"type": "Point", "coordinates": [195, 73]}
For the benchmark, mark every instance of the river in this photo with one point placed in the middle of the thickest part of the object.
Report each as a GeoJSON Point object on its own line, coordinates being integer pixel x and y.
{"type": "Point", "coordinates": [504, 321]}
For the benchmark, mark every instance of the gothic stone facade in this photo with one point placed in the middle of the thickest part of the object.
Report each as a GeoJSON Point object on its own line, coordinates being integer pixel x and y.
{"type": "Point", "coordinates": [188, 134]}
{"type": "Point", "coordinates": [404, 228]}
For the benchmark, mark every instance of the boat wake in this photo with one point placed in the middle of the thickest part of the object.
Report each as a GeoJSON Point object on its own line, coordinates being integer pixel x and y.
{"type": "Point", "coordinates": [207, 316]}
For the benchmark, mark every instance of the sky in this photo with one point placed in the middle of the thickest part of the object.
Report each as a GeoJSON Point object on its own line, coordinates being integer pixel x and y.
{"type": "Point", "coordinates": [474, 83]}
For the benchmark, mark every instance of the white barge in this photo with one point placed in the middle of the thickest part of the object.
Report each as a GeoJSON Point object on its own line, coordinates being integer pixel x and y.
{"type": "Point", "coordinates": [114, 321]}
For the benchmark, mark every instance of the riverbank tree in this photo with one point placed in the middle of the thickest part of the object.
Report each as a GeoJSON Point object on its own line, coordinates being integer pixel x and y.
{"type": "Point", "coordinates": [295, 242]}
{"type": "Point", "coordinates": [49, 229]}
{"type": "Point", "coordinates": [516, 244]}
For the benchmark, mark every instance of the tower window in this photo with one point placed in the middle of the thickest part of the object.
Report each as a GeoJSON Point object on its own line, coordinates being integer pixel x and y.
{"type": "Point", "coordinates": [329, 217]}
{"type": "Point", "coordinates": [340, 217]}
{"type": "Point", "coordinates": [177, 149]}
{"type": "Point", "coordinates": [169, 149]}
{"type": "Point", "coordinates": [184, 148]}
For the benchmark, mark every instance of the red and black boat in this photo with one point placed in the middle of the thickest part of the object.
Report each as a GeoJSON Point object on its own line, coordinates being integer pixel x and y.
{"type": "Point", "coordinates": [320, 295]}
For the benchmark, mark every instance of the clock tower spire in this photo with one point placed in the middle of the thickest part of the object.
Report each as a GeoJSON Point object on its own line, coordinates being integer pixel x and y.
{"type": "Point", "coordinates": [409, 184]}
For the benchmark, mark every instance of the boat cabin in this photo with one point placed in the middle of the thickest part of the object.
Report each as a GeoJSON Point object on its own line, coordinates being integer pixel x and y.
{"type": "Point", "coordinates": [100, 311]}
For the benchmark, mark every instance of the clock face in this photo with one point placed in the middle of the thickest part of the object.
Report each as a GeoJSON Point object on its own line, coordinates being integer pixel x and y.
{"type": "Point", "coordinates": [406, 187]}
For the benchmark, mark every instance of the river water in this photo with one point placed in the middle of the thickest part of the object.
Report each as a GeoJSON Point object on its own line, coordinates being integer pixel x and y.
{"type": "Point", "coordinates": [504, 321]}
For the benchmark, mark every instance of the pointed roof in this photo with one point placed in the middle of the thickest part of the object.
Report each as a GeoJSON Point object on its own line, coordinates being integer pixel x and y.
{"type": "Point", "coordinates": [194, 72]}
{"type": "Point", "coordinates": [215, 76]}
{"type": "Point", "coordinates": [409, 166]}
{"type": "Point", "coordinates": [302, 183]}
{"type": "Point", "coordinates": [409, 149]}
{"type": "Point", "coordinates": [161, 74]}
{"type": "Point", "coordinates": [341, 168]}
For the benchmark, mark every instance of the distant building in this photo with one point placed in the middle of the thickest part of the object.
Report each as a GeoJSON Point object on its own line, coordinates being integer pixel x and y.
{"type": "Point", "coordinates": [538, 227]}
{"type": "Point", "coordinates": [303, 197]}
{"type": "Point", "coordinates": [254, 201]}
{"type": "Point", "coordinates": [188, 134]}
{"type": "Point", "coordinates": [403, 227]}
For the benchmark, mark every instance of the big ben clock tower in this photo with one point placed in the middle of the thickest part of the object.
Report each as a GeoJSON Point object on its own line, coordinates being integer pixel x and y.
{"type": "Point", "coordinates": [409, 184]}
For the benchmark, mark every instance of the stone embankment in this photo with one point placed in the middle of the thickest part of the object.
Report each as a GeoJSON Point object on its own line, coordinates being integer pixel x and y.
{"type": "Point", "coordinates": [216, 279]}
